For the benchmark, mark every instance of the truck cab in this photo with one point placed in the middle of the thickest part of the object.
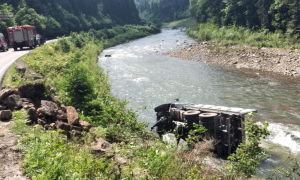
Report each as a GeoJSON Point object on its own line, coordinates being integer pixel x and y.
{"type": "Point", "coordinates": [3, 43]}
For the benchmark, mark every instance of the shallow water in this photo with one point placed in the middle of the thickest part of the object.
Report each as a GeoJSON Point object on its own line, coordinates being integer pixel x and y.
{"type": "Point", "coordinates": [142, 73]}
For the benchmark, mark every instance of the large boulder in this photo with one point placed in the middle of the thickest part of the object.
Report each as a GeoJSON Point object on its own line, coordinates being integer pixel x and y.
{"type": "Point", "coordinates": [7, 92]}
{"type": "Point", "coordinates": [33, 91]}
{"type": "Point", "coordinates": [101, 145]}
{"type": "Point", "coordinates": [48, 108]}
{"type": "Point", "coordinates": [14, 102]}
{"type": "Point", "coordinates": [72, 115]}
{"type": "Point", "coordinates": [27, 91]}
{"type": "Point", "coordinates": [5, 115]}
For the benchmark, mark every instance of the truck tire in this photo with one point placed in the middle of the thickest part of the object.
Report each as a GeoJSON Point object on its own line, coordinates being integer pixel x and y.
{"type": "Point", "coordinates": [15, 49]}
{"type": "Point", "coordinates": [21, 48]}
{"type": "Point", "coordinates": [207, 117]}
{"type": "Point", "coordinates": [191, 116]}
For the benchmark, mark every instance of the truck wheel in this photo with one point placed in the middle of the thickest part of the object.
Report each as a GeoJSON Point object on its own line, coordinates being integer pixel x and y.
{"type": "Point", "coordinates": [15, 49]}
{"type": "Point", "coordinates": [21, 48]}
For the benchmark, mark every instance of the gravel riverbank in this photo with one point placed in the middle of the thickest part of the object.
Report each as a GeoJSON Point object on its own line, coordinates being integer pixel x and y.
{"type": "Point", "coordinates": [282, 61]}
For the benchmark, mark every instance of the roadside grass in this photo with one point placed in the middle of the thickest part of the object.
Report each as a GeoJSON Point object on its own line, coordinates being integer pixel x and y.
{"type": "Point", "coordinates": [12, 78]}
{"type": "Point", "coordinates": [181, 23]}
{"type": "Point", "coordinates": [233, 35]}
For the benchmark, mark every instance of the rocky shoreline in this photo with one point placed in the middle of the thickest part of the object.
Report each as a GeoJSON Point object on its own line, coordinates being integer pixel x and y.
{"type": "Point", "coordinates": [275, 60]}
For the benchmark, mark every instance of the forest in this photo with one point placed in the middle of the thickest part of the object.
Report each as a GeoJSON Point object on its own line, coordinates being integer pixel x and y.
{"type": "Point", "coordinates": [270, 15]}
{"type": "Point", "coordinates": [60, 17]}
{"type": "Point", "coordinates": [163, 10]}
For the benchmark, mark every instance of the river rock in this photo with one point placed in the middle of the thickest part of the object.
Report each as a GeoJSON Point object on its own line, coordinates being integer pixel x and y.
{"type": "Point", "coordinates": [48, 108]}
{"type": "Point", "coordinates": [5, 115]}
{"type": "Point", "coordinates": [101, 145]}
{"type": "Point", "coordinates": [72, 115]}
{"type": "Point", "coordinates": [85, 125]}
{"type": "Point", "coordinates": [13, 102]}
{"type": "Point", "coordinates": [170, 139]}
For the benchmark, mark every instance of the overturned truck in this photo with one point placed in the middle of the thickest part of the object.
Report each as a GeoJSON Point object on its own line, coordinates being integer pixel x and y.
{"type": "Point", "coordinates": [224, 124]}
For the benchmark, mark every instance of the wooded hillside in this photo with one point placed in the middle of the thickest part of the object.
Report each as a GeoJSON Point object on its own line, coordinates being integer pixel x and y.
{"type": "Point", "coordinates": [280, 15]}
{"type": "Point", "coordinates": [58, 17]}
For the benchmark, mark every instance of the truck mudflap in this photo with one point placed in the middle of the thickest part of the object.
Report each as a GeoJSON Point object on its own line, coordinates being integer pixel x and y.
{"type": "Point", "coordinates": [224, 124]}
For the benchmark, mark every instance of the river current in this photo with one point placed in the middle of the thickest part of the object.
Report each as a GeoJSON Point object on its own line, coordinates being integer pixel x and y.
{"type": "Point", "coordinates": [141, 73]}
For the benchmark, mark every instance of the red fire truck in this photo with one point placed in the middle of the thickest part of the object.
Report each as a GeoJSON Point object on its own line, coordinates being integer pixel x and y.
{"type": "Point", "coordinates": [22, 36]}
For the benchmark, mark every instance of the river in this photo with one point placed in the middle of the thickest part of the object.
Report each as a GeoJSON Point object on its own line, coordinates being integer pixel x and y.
{"type": "Point", "coordinates": [141, 73]}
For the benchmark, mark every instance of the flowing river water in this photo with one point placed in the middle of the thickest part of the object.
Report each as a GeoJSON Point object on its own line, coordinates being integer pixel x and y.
{"type": "Point", "coordinates": [141, 73]}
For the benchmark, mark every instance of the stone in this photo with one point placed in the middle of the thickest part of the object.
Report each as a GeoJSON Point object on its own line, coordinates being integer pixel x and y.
{"type": "Point", "coordinates": [13, 102]}
{"type": "Point", "coordinates": [2, 107]}
{"type": "Point", "coordinates": [33, 91]}
{"type": "Point", "coordinates": [182, 145]}
{"type": "Point", "coordinates": [21, 66]}
{"type": "Point", "coordinates": [38, 77]}
{"type": "Point", "coordinates": [41, 122]}
{"type": "Point", "coordinates": [121, 160]}
{"type": "Point", "coordinates": [72, 115]}
{"type": "Point", "coordinates": [52, 125]}
{"type": "Point", "coordinates": [32, 114]}
{"type": "Point", "coordinates": [5, 115]}
{"type": "Point", "coordinates": [48, 108]}
{"type": "Point", "coordinates": [7, 92]}
{"type": "Point", "coordinates": [31, 71]}
{"type": "Point", "coordinates": [61, 115]}
{"type": "Point", "coordinates": [170, 139]}
{"type": "Point", "coordinates": [77, 133]}
{"type": "Point", "coordinates": [63, 126]}
{"type": "Point", "coordinates": [47, 126]}
{"type": "Point", "coordinates": [76, 128]}
{"type": "Point", "coordinates": [85, 125]}
{"type": "Point", "coordinates": [101, 145]}
{"type": "Point", "coordinates": [27, 91]}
